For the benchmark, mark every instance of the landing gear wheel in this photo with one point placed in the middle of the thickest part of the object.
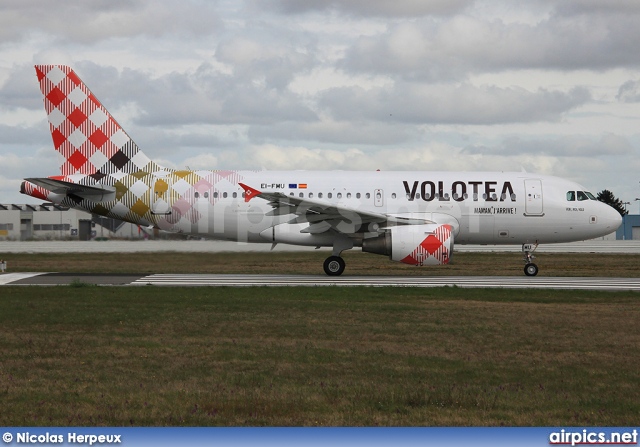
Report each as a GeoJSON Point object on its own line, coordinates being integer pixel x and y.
{"type": "Point", "coordinates": [334, 266]}
{"type": "Point", "coordinates": [531, 269]}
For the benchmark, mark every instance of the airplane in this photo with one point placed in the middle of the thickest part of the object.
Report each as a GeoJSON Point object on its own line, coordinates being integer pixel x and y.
{"type": "Point", "coordinates": [411, 217]}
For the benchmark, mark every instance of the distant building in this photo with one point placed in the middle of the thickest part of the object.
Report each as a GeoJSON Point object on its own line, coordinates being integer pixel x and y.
{"type": "Point", "coordinates": [49, 221]}
{"type": "Point", "coordinates": [630, 228]}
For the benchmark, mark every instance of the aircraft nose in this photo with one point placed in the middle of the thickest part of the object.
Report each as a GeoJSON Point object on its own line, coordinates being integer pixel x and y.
{"type": "Point", "coordinates": [610, 218]}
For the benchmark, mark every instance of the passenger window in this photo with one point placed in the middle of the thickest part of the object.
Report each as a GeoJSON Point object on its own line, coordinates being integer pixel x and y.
{"type": "Point", "coordinates": [368, 196]}
{"type": "Point", "coordinates": [301, 195]}
{"type": "Point", "coordinates": [320, 195]}
{"type": "Point", "coordinates": [348, 195]}
{"type": "Point", "coordinates": [329, 195]}
{"type": "Point", "coordinates": [339, 195]}
{"type": "Point", "coordinates": [311, 195]}
{"type": "Point", "coordinates": [571, 196]}
{"type": "Point", "coordinates": [197, 194]}
{"type": "Point", "coordinates": [357, 195]}
{"type": "Point", "coordinates": [235, 195]}
{"type": "Point", "coordinates": [206, 195]}
{"type": "Point", "coordinates": [215, 195]}
{"type": "Point", "coordinates": [582, 196]}
{"type": "Point", "coordinates": [513, 197]}
{"type": "Point", "coordinates": [393, 195]}
{"type": "Point", "coordinates": [224, 195]}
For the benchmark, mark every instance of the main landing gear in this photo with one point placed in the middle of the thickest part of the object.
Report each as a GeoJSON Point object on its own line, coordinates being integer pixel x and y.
{"type": "Point", "coordinates": [334, 265]}
{"type": "Point", "coordinates": [530, 269]}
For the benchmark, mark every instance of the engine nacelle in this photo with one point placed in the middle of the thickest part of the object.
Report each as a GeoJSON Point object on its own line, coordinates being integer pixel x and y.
{"type": "Point", "coordinates": [294, 234]}
{"type": "Point", "coordinates": [430, 244]}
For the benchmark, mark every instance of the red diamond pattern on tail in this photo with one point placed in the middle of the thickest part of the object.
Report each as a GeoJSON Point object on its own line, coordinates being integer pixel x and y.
{"type": "Point", "coordinates": [40, 74]}
{"type": "Point", "coordinates": [77, 160]}
{"type": "Point", "coordinates": [74, 78]}
{"type": "Point", "coordinates": [98, 138]}
{"type": "Point", "coordinates": [77, 117]}
{"type": "Point", "coordinates": [58, 138]}
{"type": "Point", "coordinates": [55, 96]}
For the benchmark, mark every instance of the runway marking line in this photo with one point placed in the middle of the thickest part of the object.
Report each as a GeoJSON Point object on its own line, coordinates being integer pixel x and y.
{"type": "Point", "coordinates": [8, 278]}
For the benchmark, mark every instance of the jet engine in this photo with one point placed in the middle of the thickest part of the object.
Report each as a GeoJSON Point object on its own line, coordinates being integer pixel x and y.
{"type": "Point", "coordinates": [429, 244]}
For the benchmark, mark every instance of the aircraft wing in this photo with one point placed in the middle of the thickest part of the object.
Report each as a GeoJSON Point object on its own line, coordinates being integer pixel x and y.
{"type": "Point", "coordinates": [323, 216]}
{"type": "Point", "coordinates": [95, 193]}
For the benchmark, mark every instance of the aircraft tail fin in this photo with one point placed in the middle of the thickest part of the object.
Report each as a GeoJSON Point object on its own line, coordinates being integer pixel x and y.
{"type": "Point", "coordinates": [84, 133]}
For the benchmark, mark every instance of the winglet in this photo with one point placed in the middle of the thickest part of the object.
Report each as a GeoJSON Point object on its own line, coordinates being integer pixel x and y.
{"type": "Point", "coordinates": [249, 192]}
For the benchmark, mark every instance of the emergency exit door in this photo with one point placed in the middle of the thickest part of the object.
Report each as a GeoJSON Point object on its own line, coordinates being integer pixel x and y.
{"type": "Point", "coordinates": [378, 197]}
{"type": "Point", "coordinates": [533, 197]}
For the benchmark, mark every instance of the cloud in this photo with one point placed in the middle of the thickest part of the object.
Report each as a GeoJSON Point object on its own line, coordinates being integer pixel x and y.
{"type": "Point", "coordinates": [409, 84]}
{"type": "Point", "coordinates": [450, 104]}
{"type": "Point", "coordinates": [629, 92]}
{"type": "Point", "coordinates": [370, 8]}
{"type": "Point", "coordinates": [273, 63]}
{"type": "Point", "coordinates": [203, 96]}
{"type": "Point", "coordinates": [87, 22]}
{"type": "Point", "coordinates": [584, 7]}
{"type": "Point", "coordinates": [455, 47]}
{"type": "Point", "coordinates": [335, 132]}
{"type": "Point", "coordinates": [23, 135]}
{"type": "Point", "coordinates": [574, 146]}
{"type": "Point", "coordinates": [208, 96]}
{"type": "Point", "coordinates": [21, 90]}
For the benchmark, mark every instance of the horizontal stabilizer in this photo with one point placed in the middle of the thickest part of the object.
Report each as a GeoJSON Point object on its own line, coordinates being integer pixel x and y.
{"type": "Point", "coordinates": [95, 193]}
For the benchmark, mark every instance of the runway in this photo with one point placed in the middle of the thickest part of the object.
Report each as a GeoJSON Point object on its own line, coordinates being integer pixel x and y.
{"type": "Point", "coordinates": [204, 280]}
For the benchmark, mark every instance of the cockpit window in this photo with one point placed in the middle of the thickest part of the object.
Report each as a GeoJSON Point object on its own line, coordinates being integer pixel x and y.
{"type": "Point", "coordinates": [582, 196]}
{"type": "Point", "coordinates": [590, 195]}
{"type": "Point", "coordinates": [571, 196]}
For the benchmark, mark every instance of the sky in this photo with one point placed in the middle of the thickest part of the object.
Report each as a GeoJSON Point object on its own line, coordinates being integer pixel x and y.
{"type": "Point", "coordinates": [551, 87]}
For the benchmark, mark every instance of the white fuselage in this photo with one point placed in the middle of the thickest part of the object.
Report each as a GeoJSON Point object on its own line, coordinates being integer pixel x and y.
{"type": "Point", "coordinates": [482, 207]}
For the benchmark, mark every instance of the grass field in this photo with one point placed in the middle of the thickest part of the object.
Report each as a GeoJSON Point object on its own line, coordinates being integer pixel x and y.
{"type": "Point", "coordinates": [119, 356]}
{"type": "Point", "coordinates": [503, 264]}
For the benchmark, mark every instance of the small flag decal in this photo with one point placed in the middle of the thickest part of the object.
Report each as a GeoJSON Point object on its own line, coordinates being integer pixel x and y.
{"type": "Point", "coordinates": [297, 186]}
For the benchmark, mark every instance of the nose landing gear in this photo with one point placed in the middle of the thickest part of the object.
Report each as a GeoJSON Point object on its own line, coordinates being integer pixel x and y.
{"type": "Point", "coordinates": [530, 269]}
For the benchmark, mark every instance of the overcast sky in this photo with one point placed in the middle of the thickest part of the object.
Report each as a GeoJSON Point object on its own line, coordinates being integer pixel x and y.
{"type": "Point", "coordinates": [549, 86]}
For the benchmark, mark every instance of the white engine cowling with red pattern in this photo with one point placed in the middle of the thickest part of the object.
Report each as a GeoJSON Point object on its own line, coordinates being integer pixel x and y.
{"type": "Point", "coordinates": [429, 244]}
